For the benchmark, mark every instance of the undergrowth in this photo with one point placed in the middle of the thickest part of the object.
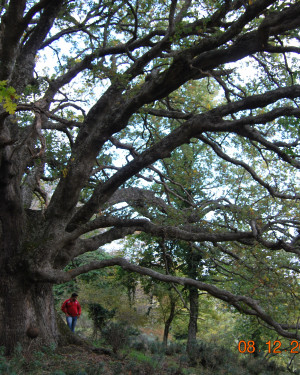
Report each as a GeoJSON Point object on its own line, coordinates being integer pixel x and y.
{"type": "Point", "coordinates": [151, 359]}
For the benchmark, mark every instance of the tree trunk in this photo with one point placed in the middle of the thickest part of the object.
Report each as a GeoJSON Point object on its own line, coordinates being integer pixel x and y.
{"type": "Point", "coordinates": [192, 329]}
{"type": "Point", "coordinates": [169, 321]}
{"type": "Point", "coordinates": [27, 314]}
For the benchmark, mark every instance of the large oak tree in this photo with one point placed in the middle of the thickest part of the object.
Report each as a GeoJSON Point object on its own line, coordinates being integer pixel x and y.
{"type": "Point", "coordinates": [82, 82]}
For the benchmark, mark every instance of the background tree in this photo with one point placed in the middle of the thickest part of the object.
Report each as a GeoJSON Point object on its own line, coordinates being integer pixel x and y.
{"type": "Point", "coordinates": [151, 252]}
{"type": "Point", "coordinates": [117, 66]}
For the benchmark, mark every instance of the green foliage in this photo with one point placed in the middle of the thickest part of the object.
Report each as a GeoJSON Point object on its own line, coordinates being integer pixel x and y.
{"type": "Point", "coordinates": [97, 278]}
{"type": "Point", "coordinates": [246, 328]}
{"type": "Point", "coordinates": [7, 97]}
{"type": "Point", "coordinates": [219, 360]}
{"type": "Point", "coordinates": [24, 361]}
{"type": "Point", "coordinates": [175, 347]}
{"type": "Point", "coordinates": [99, 315]}
{"type": "Point", "coordinates": [141, 363]}
{"type": "Point", "coordinates": [141, 357]}
{"type": "Point", "coordinates": [6, 367]}
{"type": "Point", "coordinates": [117, 335]}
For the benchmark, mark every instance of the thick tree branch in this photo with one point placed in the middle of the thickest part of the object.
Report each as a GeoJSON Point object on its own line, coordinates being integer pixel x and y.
{"type": "Point", "coordinates": [187, 232]}
{"type": "Point", "coordinates": [26, 58]}
{"type": "Point", "coordinates": [241, 303]}
{"type": "Point", "coordinates": [196, 125]}
{"type": "Point", "coordinates": [154, 89]}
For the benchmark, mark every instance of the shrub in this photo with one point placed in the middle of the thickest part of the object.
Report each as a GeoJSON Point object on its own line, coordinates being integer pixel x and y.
{"type": "Point", "coordinates": [157, 347]}
{"type": "Point", "coordinates": [99, 316]}
{"type": "Point", "coordinates": [175, 348]}
{"type": "Point", "coordinates": [259, 366]}
{"type": "Point", "coordinates": [117, 368]}
{"type": "Point", "coordinates": [140, 342]}
{"type": "Point", "coordinates": [140, 357]}
{"type": "Point", "coordinates": [118, 335]}
{"type": "Point", "coordinates": [5, 367]}
{"type": "Point", "coordinates": [135, 367]}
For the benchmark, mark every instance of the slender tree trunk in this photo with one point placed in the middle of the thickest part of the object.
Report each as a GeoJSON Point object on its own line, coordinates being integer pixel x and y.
{"type": "Point", "coordinates": [192, 329]}
{"type": "Point", "coordinates": [169, 321]}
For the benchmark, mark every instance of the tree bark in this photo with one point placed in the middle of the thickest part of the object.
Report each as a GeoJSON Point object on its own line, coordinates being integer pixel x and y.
{"type": "Point", "coordinates": [169, 321]}
{"type": "Point", "coordinates": [192, 329]}
{"type": "Point", "coordinates": [27, 314]}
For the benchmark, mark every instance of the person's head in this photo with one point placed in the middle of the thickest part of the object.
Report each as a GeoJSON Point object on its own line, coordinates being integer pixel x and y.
{"type": "Point", "coordinates": [74, 296]}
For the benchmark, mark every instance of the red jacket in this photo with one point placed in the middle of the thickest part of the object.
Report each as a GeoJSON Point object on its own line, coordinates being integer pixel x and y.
{"type": "Point", "coordinates": [71, 308]}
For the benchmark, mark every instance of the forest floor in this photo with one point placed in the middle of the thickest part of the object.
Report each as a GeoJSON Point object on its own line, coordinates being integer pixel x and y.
{"type": "Point", "coordinates": [75, 360]}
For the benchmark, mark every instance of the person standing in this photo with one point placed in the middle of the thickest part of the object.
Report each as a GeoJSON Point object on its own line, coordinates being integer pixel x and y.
{"type": "Point", "coordinates": [71, 307]}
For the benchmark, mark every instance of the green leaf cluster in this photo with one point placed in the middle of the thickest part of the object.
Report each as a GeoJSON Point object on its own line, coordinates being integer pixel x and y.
{"type": "Point", "coordinates": [8, 96]}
